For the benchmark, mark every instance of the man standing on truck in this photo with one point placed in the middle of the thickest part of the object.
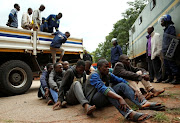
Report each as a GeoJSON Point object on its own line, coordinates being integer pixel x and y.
{"type": "Point", "coordinates": [153, 51]}
{"type": "Point", "coordinates": [52, 21]}
{"type": "Point", "coordinates": [36, 18]}
{"type": "Point", "coordinates": [170, 65]}
{"type": "Point", "coordinates": [26, 22]}
{"type": "Point", "coordinates": [115, 52]}
{"type": "Point", "coordinates": [13, 19]}
{"type": "Point", "coordinates": [56, 43]}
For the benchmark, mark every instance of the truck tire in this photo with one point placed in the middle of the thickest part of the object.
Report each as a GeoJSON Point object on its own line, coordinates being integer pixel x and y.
{"type": "Point", "coordinates": [15, 77]}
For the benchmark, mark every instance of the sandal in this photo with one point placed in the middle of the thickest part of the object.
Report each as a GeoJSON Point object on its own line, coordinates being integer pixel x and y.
{"type": "Point", "coordinates": [139, 117]}
{"type": "Point", "coordinates": [158, 93]}
{"type": "Point", "coordinates": [90, 109]}
{"type": "Point", "coordinates": [154, 106]}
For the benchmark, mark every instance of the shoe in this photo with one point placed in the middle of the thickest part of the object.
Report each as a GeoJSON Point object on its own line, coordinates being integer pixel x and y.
{"type": "Point", "coordinates": [64, 104]}
{"type": "Point", "coordinates": [175, 81]}
{"type": "Point", "coordinates": [151, 81]}
{"type": "Point", "coordinates": [170, 78]}
{"type": "Point", "coordinates": [158, 81]}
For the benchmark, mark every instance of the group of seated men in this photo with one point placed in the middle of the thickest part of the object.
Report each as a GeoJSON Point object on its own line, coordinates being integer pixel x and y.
{"type": "Point", "coordinates": [98, 88]}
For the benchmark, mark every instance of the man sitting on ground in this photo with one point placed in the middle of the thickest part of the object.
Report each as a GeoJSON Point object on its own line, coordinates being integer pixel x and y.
{"type": "Point", "coordinates": [65, 65]}
{"type": "Point", "coordinates": [133, 75]}
{"type": "Point", "coordinates": [55, 79]}
{"type": "Point", "coordinates": [44, 87]}
{"type": "Point", "coordinates": [98, 93]}
{"type": "Point", "coordinates": [72, 87]}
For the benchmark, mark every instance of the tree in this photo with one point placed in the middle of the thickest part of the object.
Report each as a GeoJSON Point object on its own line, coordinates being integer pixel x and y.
{"type": "Point", "coordinates": [120, 30]}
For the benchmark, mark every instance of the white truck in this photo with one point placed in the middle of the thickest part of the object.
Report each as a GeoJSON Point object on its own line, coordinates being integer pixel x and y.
{"type": "Point", "coordinates": [24, 52]}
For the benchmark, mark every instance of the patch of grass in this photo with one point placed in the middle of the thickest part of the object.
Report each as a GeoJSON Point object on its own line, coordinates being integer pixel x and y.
{"type": "Point", "coordinates": [176, 119]}
{"type": "Point", "coordinates": [170, 95]}
{"type": "Point", "coordinates": [8, 121]}
{"type": "Point", "coordinates": [174, 111]}
{"type": "Point", "coordinates": [161, 117]}
{"type": "Point", "coordinates": [134, 107]}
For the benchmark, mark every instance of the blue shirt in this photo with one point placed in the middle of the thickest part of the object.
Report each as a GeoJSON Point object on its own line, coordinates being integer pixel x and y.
{"type": "Point", "coordinates": [97, 82]}
{"type": "Point", "coordinates": [58, 39]}
{"type": "Point", "coordinates": [13, 17]}
{"type": "Point", "coordinates": [168, 31]}
{"type": "Point", "coordinates": [50, 22]}
{"type": "Point", "coordinates": [115, 53]}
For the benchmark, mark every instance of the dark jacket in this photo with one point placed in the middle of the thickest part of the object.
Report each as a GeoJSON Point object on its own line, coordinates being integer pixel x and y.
{"type": "Point", "coordinates": [50, 22]}
{"type": "Point", "coordinates": [98, 83]}
{"type": "Point", "coordinates": [167, 37]}
{"type": "Point", "coordinates": [128, 72]}
{"type": "Point", "coordinates": [55, 79]}
{"type": "Point", "coordinates": [67, 81]}
{"type": "Point", "coordinates": [115, 53]}
{"type": "Point", "coordinates": [58, 39]}
{"type": "Point", "coordinates": [87, 57]}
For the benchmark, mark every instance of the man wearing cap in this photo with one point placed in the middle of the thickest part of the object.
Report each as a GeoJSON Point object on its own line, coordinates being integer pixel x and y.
{"type": "Point", "coordinates": [170, 65]}
{"type": "Point", "coordinates": [115, 52]}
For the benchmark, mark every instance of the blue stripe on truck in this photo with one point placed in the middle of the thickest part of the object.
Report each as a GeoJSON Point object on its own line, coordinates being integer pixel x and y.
{"type": "Point", "coordinates": [70, 42]}
{"type": "Point", "coordinates": [15, 36]}
{"type": "Point", "coordinates": [29, 37]}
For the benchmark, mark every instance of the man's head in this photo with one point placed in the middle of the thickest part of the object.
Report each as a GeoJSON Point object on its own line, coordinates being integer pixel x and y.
{"type": "Point", "coordinates": [59, 16]}
{"type": "Point", "coordinates": [150, 30]}
{"type": "Point", "coordinates": [85, 52]}
{"type": "Point", "coordinates": [124, 59]}
{"type": "Point", "coordinates": [16, 6]}
{"type": "Point", "coordinates": [166, 20]}
{"type": "Point", "coordinates": [87, 65]}
{"type": "Point", "coordinates": [65, 65]}
{"type": "Point", "coordinates": [103, 66]}
{"type": "Point", "coordinates": [49, 67]}
{"type": "Point", "coordinates": [42, 7]}
{"type": "Point", "coordinates": [29, 11]}
{"type": "Point", "coordinates": [67, 34]}
{"type": "Point", "coordinates": [58, 67]}
{"type": "Point", "coordinates": [114, 41]}
{"type": "Point", "coordinates": [80, 67]}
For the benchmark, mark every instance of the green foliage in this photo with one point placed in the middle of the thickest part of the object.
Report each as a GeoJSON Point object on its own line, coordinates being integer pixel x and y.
{"type": "Point", "coordinates": [161, 117]}
{"type": "Point", "coordinates": [120, 31]}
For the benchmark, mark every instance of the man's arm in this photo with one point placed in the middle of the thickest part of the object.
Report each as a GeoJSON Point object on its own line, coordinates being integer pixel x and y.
{"type": "Point", "coordinates": [53, 85]}
{"type": "Point", "coordinates": [119, 49]}
{"type": "Point", "coordinates": [11, 15]}
{"type": "Point", "coordinates": [43, 80]}
{"type": "Point", "coordinates": [117, 79]}
{"type": "Point", "coordinates": [120, 71]}
{"type": "Point", "coordinates": [96, 81]}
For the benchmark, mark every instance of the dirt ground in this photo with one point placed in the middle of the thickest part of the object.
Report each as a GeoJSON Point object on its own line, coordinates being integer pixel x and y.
{"type": "Point", "coordinates": [28, 108]}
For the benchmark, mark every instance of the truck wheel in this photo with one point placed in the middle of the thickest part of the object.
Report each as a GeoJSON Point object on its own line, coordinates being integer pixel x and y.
{"type": "Point", "coordinates": [15, 77]}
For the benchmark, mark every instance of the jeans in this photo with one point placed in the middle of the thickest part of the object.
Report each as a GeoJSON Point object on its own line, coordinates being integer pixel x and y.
{"type": "Point", "coordinates": [100, 100]}
{"type": "Point", "coordinates": [54, 95]}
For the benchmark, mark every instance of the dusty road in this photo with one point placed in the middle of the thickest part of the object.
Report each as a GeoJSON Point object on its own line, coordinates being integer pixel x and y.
{"type": "Point", "coordinates": [29, 108]}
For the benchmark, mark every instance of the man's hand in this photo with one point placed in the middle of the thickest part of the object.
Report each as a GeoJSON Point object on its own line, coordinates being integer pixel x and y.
{"type": "Point", "coordinates": [47, 92]}
{"type": "Point", "coordinates": [57, 90]}
{"type": "Point", "coordinates": [146, 77]}
{"type": "Point", "coordinates": [123, 105]}
{"type": "Point", "coordinates": [56, 105]}
{"type": "Point", "coordinates": [139, 96]}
